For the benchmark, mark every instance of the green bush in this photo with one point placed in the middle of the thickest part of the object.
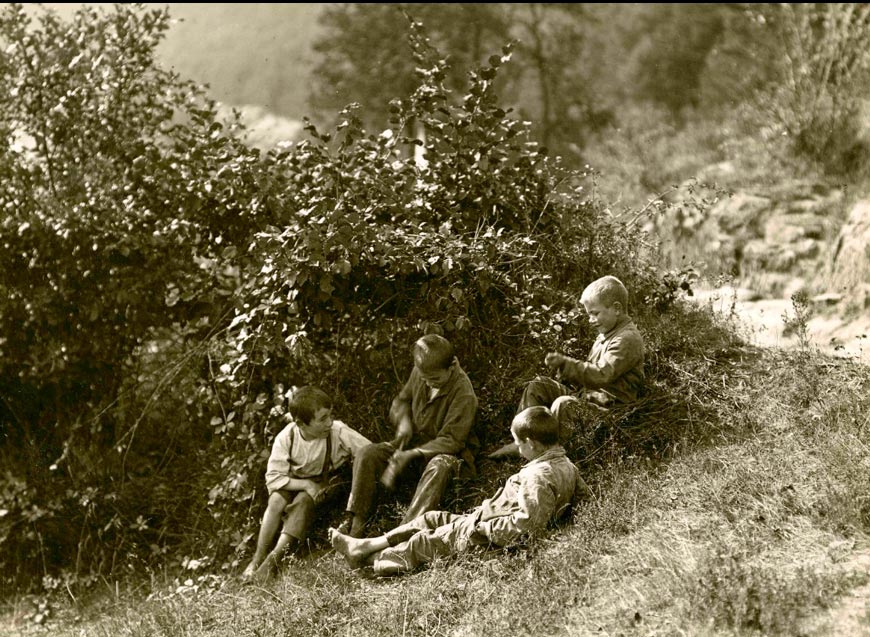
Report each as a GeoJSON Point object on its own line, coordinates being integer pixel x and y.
{"type": "Point", "coordinates": [164, 286]}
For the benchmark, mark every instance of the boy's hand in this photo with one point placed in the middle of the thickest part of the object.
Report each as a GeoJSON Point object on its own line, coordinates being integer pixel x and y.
{"type": "Point", "coordinates": [313, 489]}
{"type": "Point", "coordinates": [403, 434]}
{"type": "Point", "coordinates": [479, 537]}
{"type": "Point", "coordinates": [398, 462]}
{"type": "Point", "coordinates": [555, 361]}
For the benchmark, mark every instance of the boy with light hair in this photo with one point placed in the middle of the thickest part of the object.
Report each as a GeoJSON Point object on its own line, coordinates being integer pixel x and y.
{"type": "Point", "coordinates": [612, 372]}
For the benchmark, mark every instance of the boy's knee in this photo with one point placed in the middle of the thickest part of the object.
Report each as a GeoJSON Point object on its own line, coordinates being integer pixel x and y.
{"type": "Point", "coordinates": [441, 463]}
{"type": "Point", "coordinates": [565, 403]}
{"type": "Point", "coordinates": [566, 408]}
{"type": "Point", "coordinates": [302, 498]}
{"type": "Point", "coordinates": [277, 502]}
{"type": "Point", "coordinates": [370, 453]}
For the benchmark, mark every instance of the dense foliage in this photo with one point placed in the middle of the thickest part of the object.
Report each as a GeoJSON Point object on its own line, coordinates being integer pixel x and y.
{"type": "Point", "coordinates": [119, 189]}
{"type": "Point", "coordinates": [164, 285]}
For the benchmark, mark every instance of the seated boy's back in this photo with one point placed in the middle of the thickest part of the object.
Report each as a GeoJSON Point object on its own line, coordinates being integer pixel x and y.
{"type": "Point", "coordinates": [540, 492]}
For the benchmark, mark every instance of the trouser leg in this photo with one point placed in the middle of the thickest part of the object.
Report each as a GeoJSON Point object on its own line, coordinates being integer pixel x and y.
{"type": "Point", "coordinates": [542, 391]}
{"type": "Point", "coordinates": [439, 471]}
{"type": "Point", "coordinates": [367, 469]}
{"type": "Point", "coordinates": [429, 536]}
{"type": "Point", "coordinates": [298, 516]}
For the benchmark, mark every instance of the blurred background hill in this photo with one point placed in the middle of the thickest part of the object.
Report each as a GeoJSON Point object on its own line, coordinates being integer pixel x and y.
{"type": "Point", "coordinates": [256, 53]}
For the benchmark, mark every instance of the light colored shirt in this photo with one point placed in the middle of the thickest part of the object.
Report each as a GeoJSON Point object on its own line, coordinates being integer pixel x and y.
{"type": "Point", "coordinates": [540, 492]}
{"type": "Point", "coordinates": [613, 371]}
{"type": "Point", "coordinates": [294, 457]}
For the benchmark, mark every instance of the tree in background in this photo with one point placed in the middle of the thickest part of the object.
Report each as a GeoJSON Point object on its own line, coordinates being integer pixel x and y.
{"type": "Point", "coordinates": [364, 54]}
{"type": "Point", "coordinates": [668, 47]}
{"type": "Point", "coordinates": [796, 78]}
{"type": "Point", "coordinates": [363, 60]}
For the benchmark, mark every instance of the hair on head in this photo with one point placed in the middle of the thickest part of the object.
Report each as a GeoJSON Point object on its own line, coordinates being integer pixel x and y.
{"type": "Point", "coordinates": [608, 290]}
{"type": "Point", "coordinates": [305, 401]}
{"type": "Point", "coordinates": [433, 351]}
{"type": "Point", "coordinates": [536, 423]}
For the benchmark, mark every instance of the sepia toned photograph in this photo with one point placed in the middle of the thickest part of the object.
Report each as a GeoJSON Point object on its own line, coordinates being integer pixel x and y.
{"type": "Point", "coordinates": [434, 319]}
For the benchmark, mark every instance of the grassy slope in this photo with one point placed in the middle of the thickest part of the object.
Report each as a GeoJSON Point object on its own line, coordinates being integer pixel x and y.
{"type": "Point", "coordinates": [747, 532]}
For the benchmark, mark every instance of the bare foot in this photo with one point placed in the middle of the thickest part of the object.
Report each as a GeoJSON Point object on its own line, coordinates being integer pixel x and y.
{"type": "Point", "coordinates": [249, 571]}
{"type": "Point", "coordinates": [350, 547]}
{"type": "Point", "coordinates": [266, 571]}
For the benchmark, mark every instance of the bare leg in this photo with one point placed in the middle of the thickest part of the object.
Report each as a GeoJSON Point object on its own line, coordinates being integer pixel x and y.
{"type": "Point", "coordinates": [269, 567]}
{"type": "Point", "coordinates": [268, 528]}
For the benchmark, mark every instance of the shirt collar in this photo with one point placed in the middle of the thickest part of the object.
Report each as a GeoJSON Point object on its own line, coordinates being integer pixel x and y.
{"type": "Point", "coordinates": [551, 453]}
{"type": "Point", "coordinates": [613, 330]}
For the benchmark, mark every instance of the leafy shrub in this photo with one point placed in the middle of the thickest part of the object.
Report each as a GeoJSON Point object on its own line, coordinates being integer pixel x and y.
{"type": "Point", "coordinates": [819, 80]}
{"type": "Point", "coordinates": [119, 185]}
{"type": "Point", "coordinates": [164, 286]}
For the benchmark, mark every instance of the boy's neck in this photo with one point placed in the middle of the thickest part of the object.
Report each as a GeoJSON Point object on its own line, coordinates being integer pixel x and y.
{"type": "Point", "coordinates": [541, 449]}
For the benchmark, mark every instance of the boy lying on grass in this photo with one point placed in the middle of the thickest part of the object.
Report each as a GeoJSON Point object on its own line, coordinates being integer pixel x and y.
{"type": "Point", "coordinates": [539, 493]}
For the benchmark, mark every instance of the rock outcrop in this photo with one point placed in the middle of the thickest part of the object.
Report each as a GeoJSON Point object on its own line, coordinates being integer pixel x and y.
{"type": "Point", "coordinates": [775, 239]}
{"type": "Point", "coordinates": [850, 264]}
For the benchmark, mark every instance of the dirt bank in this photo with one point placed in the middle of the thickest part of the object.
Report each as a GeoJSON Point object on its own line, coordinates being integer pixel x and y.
{"type": "Point", "coordinates": [766, 322]}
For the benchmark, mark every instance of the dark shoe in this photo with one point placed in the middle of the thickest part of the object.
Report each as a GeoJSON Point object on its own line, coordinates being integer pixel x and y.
{"type": "Point", "coordinates": [509, 450]}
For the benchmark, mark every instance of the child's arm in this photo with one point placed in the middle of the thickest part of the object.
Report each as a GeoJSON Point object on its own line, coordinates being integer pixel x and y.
{"type": "Point", "coordinates": [620, 355]}
{"type": "Point", "coordinates": [278, 467]}
{"type": "Point", "coordinates": [455, 428]}
{"type": "Point", "coordinates": [308, 485]}
{"type": "Point", "coordinates": [350, 440]}
{"type": "Point", "coordinates": [400, 414]}
{"type": "Point", "coordinates": [349, 444]}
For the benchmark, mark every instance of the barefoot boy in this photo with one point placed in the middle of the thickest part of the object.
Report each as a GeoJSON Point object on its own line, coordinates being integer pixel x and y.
{"type": "Point", "coordinates": [301, 474]}
{"type": "Point", "coordinates": [540, 492]}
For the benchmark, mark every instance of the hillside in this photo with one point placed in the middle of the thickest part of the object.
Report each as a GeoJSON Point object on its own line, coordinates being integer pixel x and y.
{"type": "Point", "coordinates": [247, 53]}
{"type": "Point", "coordinates": [752, 526]}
